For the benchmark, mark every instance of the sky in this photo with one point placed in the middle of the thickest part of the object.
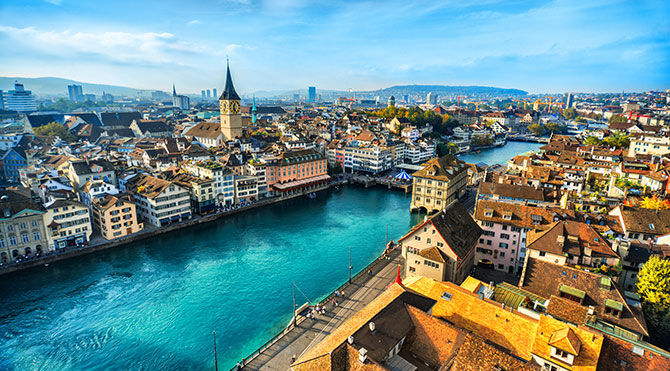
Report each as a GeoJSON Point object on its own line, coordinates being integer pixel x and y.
{"type": "Point", "coordinates": [538, 46]}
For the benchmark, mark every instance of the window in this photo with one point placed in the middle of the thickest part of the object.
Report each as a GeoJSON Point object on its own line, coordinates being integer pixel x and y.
{"type": "Point", "coordinates": [417, 238]}
{"type": "Point", "coordinates": [542, 253]}
{"type": "Point", "coordinates": [24, 238]}
{"type": "Point", "coordinates": [427, 240]}
{"type": "Point", "coordinates": [504, 227]}
{"type": "Point", "coordinates": [488, 242]}
{"type": "Point", "coordinates": [504, 236]}
{"type": "Point", "coordinates": [503, 245]}
{"type": "Point", "coordinates": [36, 236]}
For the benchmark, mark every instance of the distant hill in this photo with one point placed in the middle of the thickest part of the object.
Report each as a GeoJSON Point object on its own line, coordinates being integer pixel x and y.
{"type": "Point", "coordinates": [400, 90]}
{"type": "Point", "coordinates": [442, 90]}
{"type": "Point", "coordinates": [58, 86]}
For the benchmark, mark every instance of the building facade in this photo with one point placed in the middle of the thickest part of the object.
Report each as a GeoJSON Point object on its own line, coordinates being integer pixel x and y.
{"type": "Point", "coordinates": [116, 216]}
{"type": "Point", "coordinates": [439, 183]}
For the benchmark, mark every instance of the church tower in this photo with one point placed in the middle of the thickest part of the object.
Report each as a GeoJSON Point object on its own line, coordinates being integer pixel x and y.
{"type": "Point", "coordinates": [229, 103]}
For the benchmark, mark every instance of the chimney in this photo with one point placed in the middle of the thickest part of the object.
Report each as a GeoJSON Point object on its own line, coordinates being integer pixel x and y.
{"type": "Point", "coordinates": [372, 327]}
{"type": "Point", "coordinates": [560, 240]}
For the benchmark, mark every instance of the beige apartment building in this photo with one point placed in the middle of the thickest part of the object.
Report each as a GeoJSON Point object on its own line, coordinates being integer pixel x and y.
{"type": "Point", "coordinates": [115, 216]}
{"type": "Point", "coordinates": [649, 145]}
{"type": "Point", "coordinates": [22, 231]}
{"type": "Point", "coordinates": [441, 181]}
{"type": "Point", "coordinates": [68, 224]}
{"type": "Point", "coordinates": [443, 246]}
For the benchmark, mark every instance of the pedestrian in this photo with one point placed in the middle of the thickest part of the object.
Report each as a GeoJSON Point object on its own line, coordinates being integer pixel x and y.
{"type": "Point", "coordinates": [370, 272]}
{"type": "Point", "coordinates": [293, 359]}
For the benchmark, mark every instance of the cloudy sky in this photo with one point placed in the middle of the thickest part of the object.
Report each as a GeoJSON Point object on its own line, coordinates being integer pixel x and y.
{"type": "Point", "coordinates": [539, 46]}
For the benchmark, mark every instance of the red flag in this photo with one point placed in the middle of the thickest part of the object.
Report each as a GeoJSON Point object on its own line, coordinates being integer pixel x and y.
{"type": "Point", "coordinates": [398, 280]}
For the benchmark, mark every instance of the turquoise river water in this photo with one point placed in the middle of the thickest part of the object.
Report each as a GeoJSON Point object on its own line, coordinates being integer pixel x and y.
{"type": "Point", "coordinates": [153, 305]}
{"type": "Point", "coordinates": [500, 155]}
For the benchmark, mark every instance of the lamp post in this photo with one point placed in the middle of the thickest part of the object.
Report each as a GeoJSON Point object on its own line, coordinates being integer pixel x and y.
{"type": "Point", "coordinates": [350, 265]}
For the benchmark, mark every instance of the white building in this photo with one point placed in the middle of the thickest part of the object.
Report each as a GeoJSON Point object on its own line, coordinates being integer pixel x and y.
{"type": "Point", "coordinates": [68, 224]}
{"type": "Point", "coordinates": [159, 201]}
{"type": "Point", "coordinates": [19, 99]}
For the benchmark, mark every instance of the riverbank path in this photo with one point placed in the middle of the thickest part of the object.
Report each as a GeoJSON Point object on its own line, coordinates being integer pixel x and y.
{"type": "Point", "coordinates": [310, 332]}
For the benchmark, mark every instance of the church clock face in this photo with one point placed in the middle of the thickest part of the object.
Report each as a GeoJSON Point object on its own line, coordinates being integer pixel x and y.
{"type": "Point", "coordinates": [224, 105]}
{"type": "Point", "coordinates": [235, 106]}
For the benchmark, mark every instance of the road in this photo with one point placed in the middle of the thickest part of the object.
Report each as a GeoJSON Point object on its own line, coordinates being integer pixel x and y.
{"type": "Point", "coordinates": [310, 332]}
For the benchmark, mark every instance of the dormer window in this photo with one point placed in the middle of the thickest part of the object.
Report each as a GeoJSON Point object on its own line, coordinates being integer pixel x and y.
{"type": "Point", "coordinates": [507, 216]}
{"type": "Point", "coordinates": [488, 213]}
{"type": "Point", "coordinates": [613, 308]}
{"type": "Point", "coordinates": [572, 293]}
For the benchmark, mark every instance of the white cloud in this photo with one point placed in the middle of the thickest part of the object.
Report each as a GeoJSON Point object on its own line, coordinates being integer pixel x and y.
{"type": "Point", "coordinates": [193, 22]}
{"type": "Point", "coordinates": [54, 2]}
{"type": "Point", "coordinates": [147, 47]}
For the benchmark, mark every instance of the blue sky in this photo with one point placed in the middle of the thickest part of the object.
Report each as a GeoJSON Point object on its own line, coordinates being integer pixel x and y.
{"type": "Point", "coordinates": [538, 46]}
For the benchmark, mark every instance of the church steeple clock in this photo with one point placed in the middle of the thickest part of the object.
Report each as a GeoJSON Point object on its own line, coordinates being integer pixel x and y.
{"type": "Point", "coordinates": [229, 104]}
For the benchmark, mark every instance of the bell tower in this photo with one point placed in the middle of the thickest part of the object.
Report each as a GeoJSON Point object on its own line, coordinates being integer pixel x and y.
{"type": "Point", "coordinates": [229, 103]}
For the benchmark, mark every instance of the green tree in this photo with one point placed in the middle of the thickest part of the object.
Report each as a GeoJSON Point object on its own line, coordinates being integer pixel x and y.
{"type": "Point", "coordinates": [446, 149]}
{"type": "Point", "coordinates": [617, 119]}
{"type": "Point", "coordinates": [537, 129]}
{"type": "Point", "coordinates": [569, 113]}
{"type": "Point", "coordinates": [335, 169]}
{"type": "Point", "coordinates": [617, 139]}
{"type": "Point", "coordinates": [653, 286]}
{"type": "Point", "coordinates": [482, 140]}
{"type": "Point", "coordinates": [591, 140]}
{"type": "Point", "coordinates": [55, 129]}
{"type": "Point", "coordinates": [556, 128]}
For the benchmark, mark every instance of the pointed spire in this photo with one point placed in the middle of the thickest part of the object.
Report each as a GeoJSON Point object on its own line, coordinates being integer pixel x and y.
{"type": "Point", "coordinates": [229, 92]}
{"type": "Point", "coordinates": [253, 105]}
{"type": "Point", "coordinates": [254, 118]}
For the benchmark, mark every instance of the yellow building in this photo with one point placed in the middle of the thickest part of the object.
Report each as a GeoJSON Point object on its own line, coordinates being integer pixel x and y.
{"type": "Point", "coordinates": [115, 216]}
{"type": "Point", "coordinates": [441, 181]}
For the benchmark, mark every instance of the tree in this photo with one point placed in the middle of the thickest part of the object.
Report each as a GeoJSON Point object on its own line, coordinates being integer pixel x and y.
{"type": "Point", "coordinates": [569, 113]}
{"type": "Point", "coordinates": [446, 149]}
{"type": "Point", "coordinates": [653, 286]}
{"type": "Point", "coordinates": [617, 119]}
{"type": "Point", "coordinates": [335, 169]}
{"type": "Point", "coordinates": [55, 129]}
{"type": "Point", "coordinates": [617, 139]}
{"type": "Point", "coordinates": [655, 203]}
{"type": "Point", "coordinates": [554, 127]}
{"type": "Point", "coordinates": [537, 129]}
{"type": "Point", "coordinates": [592, 141]}
{"type": "Point", "coordinates": [482, 140]}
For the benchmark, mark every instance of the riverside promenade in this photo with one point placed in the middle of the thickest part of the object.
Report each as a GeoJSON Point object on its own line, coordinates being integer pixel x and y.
{"type": "Point", "coordinates": [293, 341]}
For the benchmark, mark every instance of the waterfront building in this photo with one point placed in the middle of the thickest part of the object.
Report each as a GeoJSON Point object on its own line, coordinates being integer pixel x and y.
{"type": "Point", "coordinates": [258, 169]}
{"type": "Point", "coordinates": [68, 224]}
{"type": "Point", "coordinates": [246, 188]}
{"type": "Point", "coordinates": [180, 101]}
{"type": "Point", "coordinates": [222, 177]}
{"type": "Point", "coordinates": [203, 197]}
{"type": "Point", "coordinates": [421, 151]}
{"type": "Point", "coordinates": [81, 171]}
{"type": "Point", "coordinates": [22, 231]}
{"type": "Point", "coordinates": [19, 99]}
{"type": "Point", "coordinates": [441, 181]}
{"type": "Point", "coordinates": [296, 170]}
{"type": "Point", "coordinates": [115, 216]}
{"type": "Point", "coordinates": [443, 246]}
{"type": "Point", "coordinates": [158, 201]}
{"type": "Point", "coordinates": [372, 159]}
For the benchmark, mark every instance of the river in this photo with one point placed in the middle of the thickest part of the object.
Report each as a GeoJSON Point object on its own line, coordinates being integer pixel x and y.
{"type": "Point", "coordinates": [500, 155]}
{"type": "Point", "coordinates": [153, 305]}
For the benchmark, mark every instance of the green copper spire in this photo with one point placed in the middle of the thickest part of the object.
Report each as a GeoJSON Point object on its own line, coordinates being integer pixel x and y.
{"type": "Point", "coordinates": [253, 110]}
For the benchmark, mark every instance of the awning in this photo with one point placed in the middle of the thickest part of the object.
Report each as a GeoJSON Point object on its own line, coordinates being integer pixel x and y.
{"type": "Point", "coordinates": [403, 176]}
{"type": "Point", "coordinates": [572, 291]}
{"type": "Point", "coordinates": [302, 183]}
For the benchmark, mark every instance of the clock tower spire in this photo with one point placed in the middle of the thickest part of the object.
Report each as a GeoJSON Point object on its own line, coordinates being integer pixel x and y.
{"type": "Point", "coordinates": [229, 103]}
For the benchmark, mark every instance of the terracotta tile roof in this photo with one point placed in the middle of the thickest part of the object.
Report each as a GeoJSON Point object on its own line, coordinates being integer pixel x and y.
{"type": "Point", "coordinates": [617, 355]}
{"type": "Point", "coordinates": [647, 221]}
{"type": "Point", "coordinates": [443, 168]}
{"type": "Point", "coordinates": [476, 354]}
{"type": "Point", "coordinates": [485, 318]}
{"type": "Point", "coordinates": [210, 130]}
{"type": "Point", "coordinates": [585, 343]}
{"type": "Point", "coordinates": [569, 237]}
{"type": "Point", "coordinates": [567, 310]}
{"type": "Point", "coordinates": [545, 279]}
{"type": "Point", "coordinates": [434, 254]}
{"type": "Point", "coordinates": [511, 191]}
{"type": "Point", "coordinates": [522, 216]}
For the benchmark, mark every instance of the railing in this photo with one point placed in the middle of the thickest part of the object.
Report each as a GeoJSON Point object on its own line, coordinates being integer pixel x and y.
{"type": "Point", "coordinates": [394, 253]}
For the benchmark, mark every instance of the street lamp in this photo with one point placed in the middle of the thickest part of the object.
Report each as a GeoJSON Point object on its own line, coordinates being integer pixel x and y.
{"type": "Point", "coordinates": [350, 265]}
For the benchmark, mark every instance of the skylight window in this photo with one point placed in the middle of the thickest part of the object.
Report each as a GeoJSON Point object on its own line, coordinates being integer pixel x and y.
{"type": "Point", "coordinates": [651, 226]}
{"type": "Point", "coordinates": [446, 296]}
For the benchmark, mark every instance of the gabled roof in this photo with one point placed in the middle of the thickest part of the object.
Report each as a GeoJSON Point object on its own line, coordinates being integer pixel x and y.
{"type": "Point", "coordinates": [576, 238]}
{"type": "Point", "coordinates": [566, 340]}
{"type": "Point", "coordinates": [210, 130]}
{"type": "Point", "coordinates": [13, 203]}
{"type": "Point", "coordinates": [511, 191]}
{"type": "Point", "coordinates": [443, 168]}
{"type": "Point", "coordinates": [545, 279]}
